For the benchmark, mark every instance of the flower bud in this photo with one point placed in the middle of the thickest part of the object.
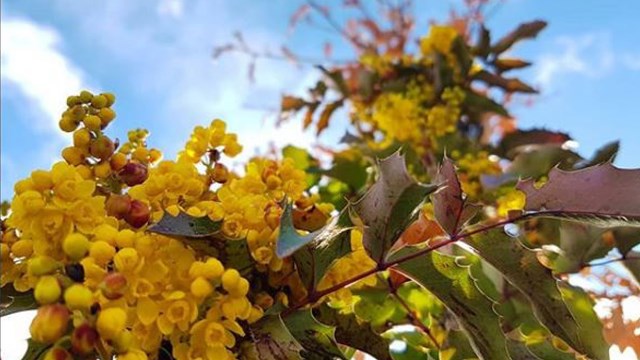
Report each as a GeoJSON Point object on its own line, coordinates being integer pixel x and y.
{"type": "Point", "coordinates": [118, 206]}
{"type": "Point", "coordinates": [111, 322]}
{"type": "Point", "coordinates": [118, 161]}
{"type": "Point", "coordinates": [102, 148]}
{"type": "Point", "coordinates": [219, 173]}
{"type": "Point", "coordinates": [49, 324]}
{"type": "Point", "coordinates": [78, 297]}
{"type": "Point", "coordinates": [98, 101]}
{"type": "Point", "coordinates": [58, 353]}
{"type": "Point", "coordinates": [47, 290]}
{"type": "Point", "coordinates": [83, 339]}
{"type": "Point", "coordinates": [42, 265]}
{"type": "Point", "coordinates": [113, 286]}
{"type": "Point", "coordinates": [138, 215]}
{"type": "Point", "coordinates": [133, 173]}
{"type": "Point", "coordinates": [122, 342]}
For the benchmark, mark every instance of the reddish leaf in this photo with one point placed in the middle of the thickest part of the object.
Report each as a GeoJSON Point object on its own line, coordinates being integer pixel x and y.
{"type": "Point", "coordinates": [449, 204]}
{"type": "Point", "coordinates": [507, 84]}
{"type": "Point", "coordinates": [603, 195]}
{"type": "Point", "coordinates": [510, 64]}
{"type": "Point", "coordinates": [524, 31]}
{"type": "Point", "coordinates": [325, 116]}
{"type": "Point", "coordinates": [289, 55]}
{"type": "Point", "coordinates": [291, 103]}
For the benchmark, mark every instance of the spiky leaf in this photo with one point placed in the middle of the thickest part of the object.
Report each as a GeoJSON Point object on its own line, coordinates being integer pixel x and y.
{"type": "Point", "coordinates": [390, 205]}
{"type": "Point", "coordinates": [452, 284]}
{"type": "Point", "coordinates": [273, 341]}
{"type": "Point", "coordinates": [13, 301]}
{"type": "Point", "coordinates": [317, 340]}
{"type": "Point", "coordinates": [186, 226]}
{"type": "Point", "coordinates": [355, 333]}
{"type": "Point", "coordinates": [522, 269]}
{"type": "Point", "coordinates": [449, 205]}
{"type": "Point", "coordinates": [602, 195]}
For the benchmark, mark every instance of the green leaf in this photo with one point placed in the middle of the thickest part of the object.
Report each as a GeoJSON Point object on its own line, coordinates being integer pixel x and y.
{"type": "Point", "coordinates": [483, 46]}
{"type": "Point", "coordinates": [354, 333]}
{"type": "Point", "coordinates": [537, 160]}
{"type": "Point", "coordinates": [337, 78]}
{"type": "Point", "coordinates": [482, 104]}
{"type": "Point", "coordinates": [523, 31]}
{"type": "Point", "coordinates": [390, 205]}
{"type": "Point", "coordinates": [316, 258]}
{"type": "Point", "coordinates": [452, 284]}
{"type": "Point", "coordinates": [461, 51]}
{"type": "Point", "coordinates": [519, 351]}
{"type": "Point", "coordinates": [457, 347]}
{"type": "Point", "coordinates": [606, 153]}
{"type": "Point", "coordinates": [303, 161]}
{"type": "Point", "coordinates": [185, 225]}
{"type": "Point", "coordinates": [449, 206]}
{"type": "Point", "coordinates": [626, 238]}
{"type": "Point", "coordinates": [633, 265]}
{"type": "Point", "coordinates": [35, 350]}
{"type": "Point", "coordinates": [512, 143]}
{"type": "Point", "coordinates": [289, 241]}
{"type": "Point", "coordinates": [352, 172]}
{"type": "Point", "coordinates": [579, 244]}
{"type": "Point", "coordinates": [522, 269]}
{"type": "Point", "coordinates": [602, 195]}
{"type": "Point", "coordinates": [544, 350]}
{"type": "Point", "coordinates": [13, 301]}
{"type": "Point", "coordinates": [273, 341]}
{"type": "Point", "coordinates": [316, 339]}
{"type": "Point", "coordinates": [510, 85]}
{"type": "Point", "coordinates": [581, 306]}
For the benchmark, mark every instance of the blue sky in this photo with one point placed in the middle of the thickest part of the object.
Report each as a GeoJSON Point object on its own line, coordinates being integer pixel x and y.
{"type": "Point", "coordinates": [155, 55]}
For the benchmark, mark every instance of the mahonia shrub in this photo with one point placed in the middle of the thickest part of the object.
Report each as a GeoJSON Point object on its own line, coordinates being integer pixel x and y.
{"type": "Point", "coordinates": [437, 213]}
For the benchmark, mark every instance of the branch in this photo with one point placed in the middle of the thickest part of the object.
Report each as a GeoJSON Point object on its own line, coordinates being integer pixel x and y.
{"type": "Point", "coordinates": [412, 315]}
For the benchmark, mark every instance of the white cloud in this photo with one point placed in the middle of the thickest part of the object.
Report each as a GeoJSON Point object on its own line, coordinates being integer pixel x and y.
{"type": "Point", "coordinates": [33, 63]}
{"type": "Point", "coordinates": [589, 55]}
{"type": "Point", "coordinates": [172, 8]}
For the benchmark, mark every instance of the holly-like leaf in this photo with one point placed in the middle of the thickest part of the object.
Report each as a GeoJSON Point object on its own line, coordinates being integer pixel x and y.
{"type": "Point", "coordinates": [289, 241]}
{"type": "Point", "coordinates": [482, 104]}
{"type": "Point", "coordinates": [602, 195]}
{"type": "Point", "coordinates": [510, 85]}
{"type": "Point", "coordinates": [449, 205]}
{"type": "Point", "coordinates": [606, 153]}
{"type": "Point", "coordinates": [273, 341]}
{"type": "Point", "coordinates": [350, 170]}
{"type": "Point", "coordinates": [13, 301]}
{"type": "Point", "coordinates": [524, 31]}
{"type": "Point", "coordinates": [510, 64]}
{"type": "Point", "coordinates": [35, 350]}
{"type": "Point", "coordinates": [512, 142]}
{"type": "Point", "coordinates": [325, 115]}
{"type": "Point", "coordinates": [581, 306]}
{"type": "Point", "coordinates": [185, 225]}
{"type": "Point", "coordinates": [537, 160]}
{"type": "Point", "coordinates": [522, 269]}
{"type": "Point", "coordinates": [390, 205]}
{"type": "Point", "coordinates": [355, 333]}
{"type": "Point", "coordinates": [317, 340]}
{"type": "Point", "coordinates": [626, 238]}
{"type": "Point", "coordinates": [316, 258]}
{"type": "Point", "coordinates": [580, 244]}
{"type": "Point", "coordinates": [452, 284]}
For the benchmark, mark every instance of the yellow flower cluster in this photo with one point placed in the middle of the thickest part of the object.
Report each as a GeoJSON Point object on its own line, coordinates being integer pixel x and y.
{"type": "Point", "coordinates": [76, 235]}
{"type": "Point", "coordinates": [407, 116]}
{"type": "Point", "coordinates": [440, 40]}
{"type": "Point", "coordinates": [471, 168]}
{"type": "Point", "coordinates": [206, 139]}
{"type": "Point", "coordinates": [356, 262]}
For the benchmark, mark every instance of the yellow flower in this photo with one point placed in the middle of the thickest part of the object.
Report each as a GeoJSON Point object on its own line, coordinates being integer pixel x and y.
{"type": "Point", "coordinates": [111, 322]}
